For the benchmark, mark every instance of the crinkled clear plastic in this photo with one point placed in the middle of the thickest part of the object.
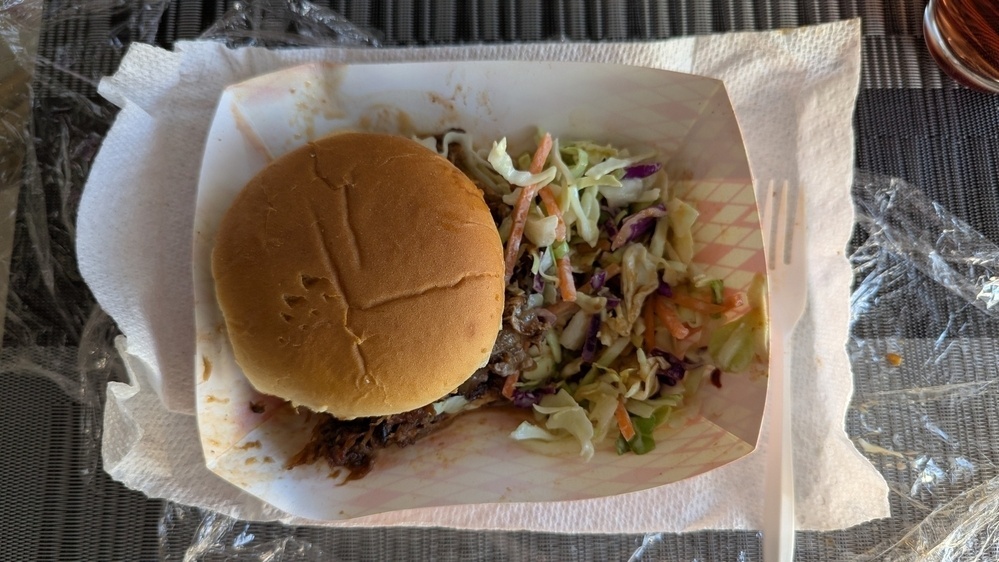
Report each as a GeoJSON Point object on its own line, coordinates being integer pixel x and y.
{"type": "Point", "coordinates": [925, 311]}
{"type": "Point", "coordinates": [901, 223]}
{"type": "Point", "coordinates": [287, 23]}
{"type": "Point", "coordinates": [924, 353]}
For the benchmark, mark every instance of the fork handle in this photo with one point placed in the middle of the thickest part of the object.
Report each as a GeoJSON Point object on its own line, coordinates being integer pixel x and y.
{"type": "Point", "coordinates": [778, 531]}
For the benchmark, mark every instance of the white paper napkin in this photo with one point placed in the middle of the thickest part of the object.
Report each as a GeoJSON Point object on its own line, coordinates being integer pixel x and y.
{"type": "Point", "coordinates": [793, 91]}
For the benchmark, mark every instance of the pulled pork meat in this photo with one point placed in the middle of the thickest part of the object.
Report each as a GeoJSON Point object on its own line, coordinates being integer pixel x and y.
{"type": "Point", "coordinates": [353, 444]}
{"type": "Point", "coordinates": [523, 328]}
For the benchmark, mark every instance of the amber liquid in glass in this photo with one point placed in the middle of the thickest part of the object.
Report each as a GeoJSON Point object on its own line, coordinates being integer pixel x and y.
{"type": "Point", "coordinates": [971, 29]}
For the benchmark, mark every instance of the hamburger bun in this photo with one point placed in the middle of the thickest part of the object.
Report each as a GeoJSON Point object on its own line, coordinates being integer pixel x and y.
{"type": "Point", "coordinates": [360, 275]}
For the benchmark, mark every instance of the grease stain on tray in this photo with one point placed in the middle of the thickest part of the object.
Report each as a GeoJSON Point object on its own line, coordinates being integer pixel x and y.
{"type": "Point", "coordinates": [249, 445]}
{"type": "Point", "coordinates": [484, 102]}
{"type": "Point", "coordinates": [206, 372]}
{"type": "Point", "coordinates": [318, 96]}
{"type": "Point", "coordinates": [450, 116]}
{"type": "Point", "coordinates": [384, 118]}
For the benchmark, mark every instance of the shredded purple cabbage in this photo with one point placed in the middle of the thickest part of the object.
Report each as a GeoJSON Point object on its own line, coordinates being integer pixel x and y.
{"type": "Point", "coordinates": [673, 372]}
{"type": "Point", "coordinates": [528, 398]}
{"type": "Point", "coordinates": [638, 227]}
{"type": "Point", "coordinates": [597, 279]}
{"type": "Point", "coordinates": [657, 210]}
{"type": "Point", "coordinates": [664, 289]}
{"type": "Point", "coordinates": [613, 301]}
{"type": "Point", "coordinates": [610, 228]}
{"type": "Point", "coordinates": [591, 342]}
{"type": "Point", "coordinates": [539, 282]}
{"type": "Point", "coordinates": [637, 224]}
{"type": "Point", "coordinates": [641, 170]}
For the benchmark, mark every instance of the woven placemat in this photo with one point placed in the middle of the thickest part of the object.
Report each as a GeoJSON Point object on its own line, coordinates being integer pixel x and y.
{"type": "Point", "coordinates": [911, 122]}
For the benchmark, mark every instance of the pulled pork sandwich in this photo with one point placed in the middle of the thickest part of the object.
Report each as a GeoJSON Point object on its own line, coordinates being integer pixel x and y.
{"type": "Point", "coordinates": [361, 276]}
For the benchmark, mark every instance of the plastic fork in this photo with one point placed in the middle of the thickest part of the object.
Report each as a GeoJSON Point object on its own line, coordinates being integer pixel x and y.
{"type": "Point", "coordinates": [783, 220]}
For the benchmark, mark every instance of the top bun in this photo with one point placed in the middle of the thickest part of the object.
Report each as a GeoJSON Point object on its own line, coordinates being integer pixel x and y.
{"type": "Point", "coordinates": [360, 275]}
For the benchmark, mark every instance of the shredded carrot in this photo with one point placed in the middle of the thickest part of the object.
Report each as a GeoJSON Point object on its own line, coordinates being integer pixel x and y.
{"type": "Point", "coordinates": [523, 205]}
{"type": "Point", "coordinates": [694, 303]}
{"type": "Point", "coordinates": [566, 285]}
{"type": "Point", "coordinates": [509, 384]}
{"type": "Point", "coordinates": [624, 421]}
{"type": "Point", "coordinates": [736, 305]}
{"type": "Point", "coordinates": [668, 316]}
{"type": "Point", "coordinates": [648, 314]}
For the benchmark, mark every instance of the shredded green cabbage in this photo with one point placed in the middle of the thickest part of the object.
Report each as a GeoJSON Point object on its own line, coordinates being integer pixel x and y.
{"type": "Point", "coordinates": [450, 405]}
{"type": "Point", "coordinates": [503, 165]}
{"type": "Point", "coordinates": [682, 217]}
{"type": "Point", "coordinates": [564, 419]}
{"type": "Point", "coordinates": [539, 229]}
{"type": "Point", "coordinates": [473, 163]}
{"type": "Point", "coordinates": [613, 164]}
{"type": "Point", "coordinates": [597, 358]}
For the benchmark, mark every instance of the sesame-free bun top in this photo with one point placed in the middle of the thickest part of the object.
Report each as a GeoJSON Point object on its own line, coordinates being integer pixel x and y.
{"type": "Point", "coordinates": [360, 275]}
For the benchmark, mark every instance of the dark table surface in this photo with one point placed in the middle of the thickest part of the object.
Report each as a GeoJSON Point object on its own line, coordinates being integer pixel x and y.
{"type": "Point", "coordinates": [55, 502]}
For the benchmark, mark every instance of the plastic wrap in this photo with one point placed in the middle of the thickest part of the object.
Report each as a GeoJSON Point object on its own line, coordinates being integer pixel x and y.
{"type": "Point", "coordinates": [907, 231]}
{"type": "Point", "coordinates": [923, 349]}
{"type": "Point", "coordinates": [50, 133]}
{"type": "Point", "coordinates": [287, 23]}
{"type": "Point", "coordinates": [924, 404]}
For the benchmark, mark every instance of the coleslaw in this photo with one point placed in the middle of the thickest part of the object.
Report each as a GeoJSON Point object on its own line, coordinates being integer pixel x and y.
{"type": "Point", "coordinates": [597, 243]}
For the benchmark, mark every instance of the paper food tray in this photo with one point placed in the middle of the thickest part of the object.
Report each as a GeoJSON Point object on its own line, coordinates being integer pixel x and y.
{"type": "Point", "coordinates": [247, 438]}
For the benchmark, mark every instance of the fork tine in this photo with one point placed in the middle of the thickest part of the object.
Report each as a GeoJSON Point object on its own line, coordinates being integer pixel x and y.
{"type": "Point", "coordinates": [785, 223]}
{"type": "Point", "coordinates": [792, 222]}
{"type": "Point", "coordinates": [778, 226]}
{"type": "Point", "coordinates": [765, 204]}
{"type": "Point", "coordinates": [767, 222]}
{"type": "Point", "coordinates": [798, 224]}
